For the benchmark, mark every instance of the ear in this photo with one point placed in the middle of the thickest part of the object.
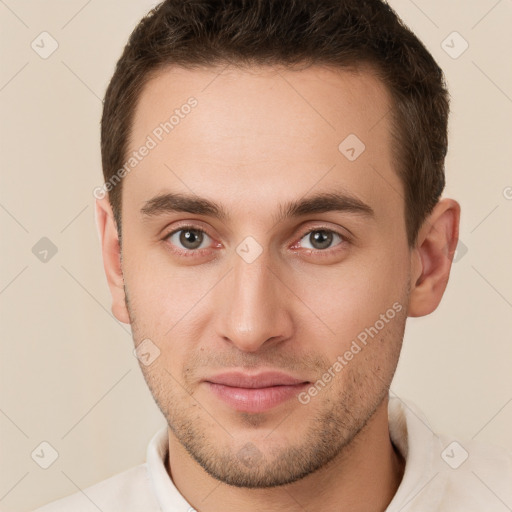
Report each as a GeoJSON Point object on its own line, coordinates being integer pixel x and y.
{"type": "Point", "coordinates": [432, 257]}
{"type": "Point", "coordinates": [111, 251]}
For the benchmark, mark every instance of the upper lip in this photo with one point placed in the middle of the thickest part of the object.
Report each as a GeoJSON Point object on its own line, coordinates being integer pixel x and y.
{"type": "Point", "coordinates": [260, 380]}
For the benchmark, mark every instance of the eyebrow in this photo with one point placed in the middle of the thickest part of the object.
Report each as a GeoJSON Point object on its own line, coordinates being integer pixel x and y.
{"type": "Point", "coordinates": [318, 203]}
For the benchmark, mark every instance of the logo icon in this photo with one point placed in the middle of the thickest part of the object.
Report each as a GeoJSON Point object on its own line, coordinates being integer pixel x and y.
{"type": "Point", "coordinates": [44, 455]}
{"type": "Point", "coordinates": [351, 147]}
{"type": "Point", "coordinates": [454, 455]}
{"type": "Point", "coordinates": [454, 45]}
{"type": "Point", "coordinates": [44, 45]}
{"type": "Point", "coordinates": [249, 249]}
{"type": "Point", "coordinates": [146, 352]}
{"type": "Point", "coordinates": [44, 250]}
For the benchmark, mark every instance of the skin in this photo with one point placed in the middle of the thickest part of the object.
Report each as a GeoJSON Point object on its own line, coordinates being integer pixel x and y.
{"type": "Point", "coordinates": [260, 138]}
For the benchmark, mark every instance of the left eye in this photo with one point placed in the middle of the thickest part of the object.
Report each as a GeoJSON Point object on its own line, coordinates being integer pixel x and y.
{"type": "Point", "coordinates": [189, 238]}
{"type": "Point", "coordinates": [320, 239]}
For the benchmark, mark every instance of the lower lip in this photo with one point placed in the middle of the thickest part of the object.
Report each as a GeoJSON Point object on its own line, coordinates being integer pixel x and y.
{"type": "Point", "coordinates": [255, 399]}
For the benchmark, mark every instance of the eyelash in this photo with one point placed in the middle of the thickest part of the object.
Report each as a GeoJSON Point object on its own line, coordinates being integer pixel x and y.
{"type": "Point", "coordinates": [195, 252]}
{"type": "Point", "coordinates": [344, 240]}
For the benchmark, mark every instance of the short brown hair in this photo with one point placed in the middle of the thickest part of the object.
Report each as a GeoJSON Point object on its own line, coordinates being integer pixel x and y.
{"type": "Point", "coordinates": [340, 33]}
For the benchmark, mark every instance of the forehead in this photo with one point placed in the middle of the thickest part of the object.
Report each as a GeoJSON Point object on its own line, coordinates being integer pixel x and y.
{"type": "Point", "coordinates": [242, 136]}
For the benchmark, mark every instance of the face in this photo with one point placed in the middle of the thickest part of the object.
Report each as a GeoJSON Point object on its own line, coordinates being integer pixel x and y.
{"type": "Point", "coordinates": [280, 250]}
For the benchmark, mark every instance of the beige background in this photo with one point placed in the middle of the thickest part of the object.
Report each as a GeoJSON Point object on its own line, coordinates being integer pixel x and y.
{"type": "Point", "coordinates": [68, 375]}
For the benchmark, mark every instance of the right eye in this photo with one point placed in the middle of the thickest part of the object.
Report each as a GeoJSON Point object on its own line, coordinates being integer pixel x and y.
{"type": "Point", "coordinates": [188, 238]}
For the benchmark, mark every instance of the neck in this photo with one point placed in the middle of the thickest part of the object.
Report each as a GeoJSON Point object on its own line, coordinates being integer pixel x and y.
{"type": "Point", "coordinates": [363, 478]}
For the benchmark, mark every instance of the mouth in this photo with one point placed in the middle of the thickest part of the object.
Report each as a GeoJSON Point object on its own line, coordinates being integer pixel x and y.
{"type": "Point", "coordinates": [255, 393]}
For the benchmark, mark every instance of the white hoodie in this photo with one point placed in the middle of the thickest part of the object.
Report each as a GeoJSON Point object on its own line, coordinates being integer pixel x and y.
{"type": "Point", "coordinates": [441, 474]}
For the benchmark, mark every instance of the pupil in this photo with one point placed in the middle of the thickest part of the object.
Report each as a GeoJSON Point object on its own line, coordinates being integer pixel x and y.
{"type": "Point", "coordinates": [320, 239]}
{"type": "Point", "coordinates": [191, 239]}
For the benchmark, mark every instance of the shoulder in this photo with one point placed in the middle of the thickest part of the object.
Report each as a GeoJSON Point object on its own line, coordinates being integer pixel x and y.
{"type": "Point", "coordinates": [443, 473]}
{"type": "Point", "coordinates": [477, 473]}
{"type": "Point", "coordinates": [127, 491]}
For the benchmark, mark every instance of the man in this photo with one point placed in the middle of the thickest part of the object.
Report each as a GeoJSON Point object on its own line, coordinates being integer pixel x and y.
{"type": "Point", "coordinates": [270, 217]}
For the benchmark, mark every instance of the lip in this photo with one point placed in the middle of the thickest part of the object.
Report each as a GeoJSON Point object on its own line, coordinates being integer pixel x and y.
{"type": "Point", "coordinates": [255, 393]}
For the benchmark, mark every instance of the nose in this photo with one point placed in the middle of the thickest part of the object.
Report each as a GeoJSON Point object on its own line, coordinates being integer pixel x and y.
{"type": "Point", "coordinates": [253, 305]}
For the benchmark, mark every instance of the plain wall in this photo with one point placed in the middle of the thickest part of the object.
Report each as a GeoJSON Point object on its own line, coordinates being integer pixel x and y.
{"type": "Point", "coordinates": [68, 374]}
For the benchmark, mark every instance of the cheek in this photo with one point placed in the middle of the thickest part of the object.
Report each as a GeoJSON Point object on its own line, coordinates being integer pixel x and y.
{"type": "Point", "coordinates": [343, 301]}
{"type": "Point", "coordinates": [368, 354]}
{"type": "Point", "coordinates": [162, 292]}
{"type": "Point", "coordinates": [167, 305]}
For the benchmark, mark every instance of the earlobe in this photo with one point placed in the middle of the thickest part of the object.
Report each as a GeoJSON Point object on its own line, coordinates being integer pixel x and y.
{"type": "Point", "coordinates": [432, 257]}
{"type": "Point", "coordinates": [111, 252]}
